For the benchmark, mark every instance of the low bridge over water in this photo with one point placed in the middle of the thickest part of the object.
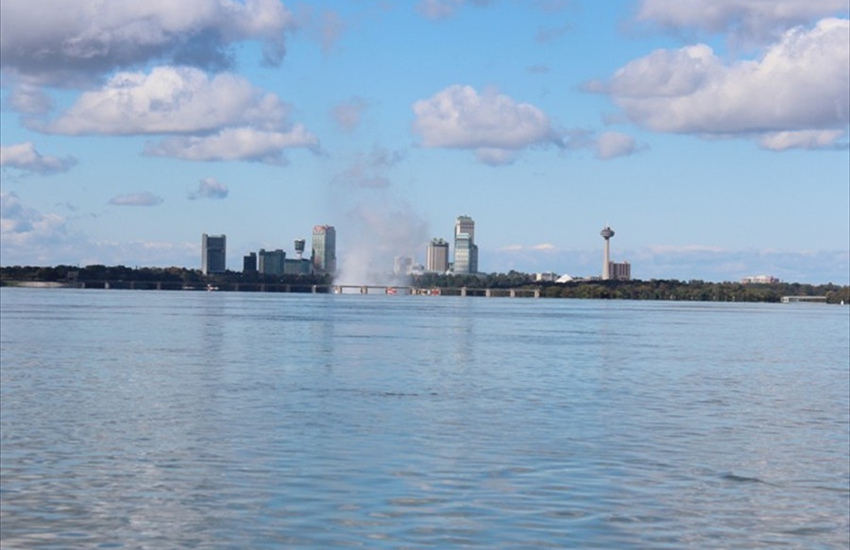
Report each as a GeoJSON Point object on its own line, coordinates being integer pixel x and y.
{"type": "Point", "coordinates": [304, 289]}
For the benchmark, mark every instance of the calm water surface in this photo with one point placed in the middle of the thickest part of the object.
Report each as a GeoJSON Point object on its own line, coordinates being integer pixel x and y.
{"type": "Point", "coordinates": [144, 419]}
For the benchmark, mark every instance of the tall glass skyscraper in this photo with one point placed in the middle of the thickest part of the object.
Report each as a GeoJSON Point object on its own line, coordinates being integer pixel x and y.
{"type": "Point", "coordinates": [324, 249]}
{"type": "Point", "coordinates": [213, 254]}
{"type": "Point", "coordinates": [466, 251]}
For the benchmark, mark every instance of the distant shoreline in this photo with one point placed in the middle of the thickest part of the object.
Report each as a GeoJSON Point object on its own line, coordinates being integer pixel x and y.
{"type": "Point", "coordinates": [655, 290]}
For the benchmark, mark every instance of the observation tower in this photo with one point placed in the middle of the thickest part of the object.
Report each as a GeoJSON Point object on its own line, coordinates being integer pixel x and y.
{"type": "Point", "coordinates": [606, 233]}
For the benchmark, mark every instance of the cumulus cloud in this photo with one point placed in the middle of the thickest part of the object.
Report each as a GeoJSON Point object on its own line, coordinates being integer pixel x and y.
{"type": "Point", "coordinates": [209, 188]}
{"type": "Point", "coordinates": [803, 139]}
{"type": "Point", "coordinates": [29, 100]}
{"type": "Point", "coordinates": [222, 117]}
{"type": "Point", "coordinates": [30, 237]}
{"type": "Point", "coordinates": [799, 84]}
{"type": "Point", "coordinates": [145, 198]}
{"type": "Point", "coordinates": [23, 227]}
{"type": "Point", "coordinates": [25, 157]}
{"type": "Point", "coordinates": [752, 19]}
{"type": "Point", "coordinates": [235, 144]}
{"type": "Point", "coordinates": [492, 124]}
{"type": "Point", "coordinates": [169, 100]}
{"type": "Point", "coordinates": [71, 42]}
{"type": "Point", "coordinates": [348, 114]}
{"type": "Point", "coordinates": [614, 144]}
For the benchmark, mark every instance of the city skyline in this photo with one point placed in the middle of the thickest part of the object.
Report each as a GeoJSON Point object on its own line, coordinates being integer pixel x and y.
{"type": "Point", "coordinates": [713, 136]}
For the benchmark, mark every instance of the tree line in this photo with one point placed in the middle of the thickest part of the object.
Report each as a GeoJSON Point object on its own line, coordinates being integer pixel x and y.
{"type": "Point", "coordinates": [654, 289]}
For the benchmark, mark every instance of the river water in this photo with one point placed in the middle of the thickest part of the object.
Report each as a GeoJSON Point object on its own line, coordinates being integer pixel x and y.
{"type": "Point", "coordinates": [145, 419]}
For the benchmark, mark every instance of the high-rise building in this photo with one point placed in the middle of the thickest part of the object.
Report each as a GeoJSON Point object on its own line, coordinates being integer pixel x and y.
{"type": "Point", "coordinates": [324, 249]}
{"type": "Point", "coordinates": [619, 271]}
{"type": "Point", "coordinates": [249, 263]}
{"type": "Point", "coordinates": [437, 256]}
{"type": "Point", "coordinates": [466, 254]}
{"type": "Point", "coordinates": [213, 254]}
{"type": "Point", "coordinates": [464, 224]}
{"type": "Point", "coordinates": [271, 262]}
{"type": "Point", "coordinates": [466, 251]}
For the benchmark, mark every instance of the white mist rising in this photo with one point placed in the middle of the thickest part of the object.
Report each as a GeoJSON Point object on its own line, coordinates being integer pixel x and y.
{"type": "Point", "coordinates": [375, 234]}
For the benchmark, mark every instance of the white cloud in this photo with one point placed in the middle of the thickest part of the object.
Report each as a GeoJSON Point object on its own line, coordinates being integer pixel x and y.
{"type": "Point", "coordinates": [348, 114]}
{"type": "Point", "coordinates": [209, 188]}
{"type": "Point", "coordinates": [235, 144]}
{"type": "Point", "coordinates": [370, 171]}
{"type": "Point", "coordinates": [170, 99]}
{"type": "Point", "coordinates": [229, 117]}
{"type": "Point", "coordinates": [801, 83]}
{"type": "Point", "coordinates": [24, 156]}
{"type": "Point", "coordinates": [24, 228]}
{"type": "Point", "coordinates": [492, 124]}
{"type": "Point", "coordinates": [145, 198]}
{"type": "Point", "coordinates": [71, 42]}
{"type": "Point", "coordinates": [29, 100]}
{"type": "Point", "coordinates": [804, 139]}
{"type": "Point", "coordinates": [614, 144]}
{"type": "Point", "coordinates": [754, 19]}
{"type": "Point", "coordinates": [438, 9]}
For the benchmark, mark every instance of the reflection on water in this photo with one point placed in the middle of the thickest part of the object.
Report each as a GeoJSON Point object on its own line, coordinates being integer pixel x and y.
{"type": "Point", "coordinates": [177, 419]}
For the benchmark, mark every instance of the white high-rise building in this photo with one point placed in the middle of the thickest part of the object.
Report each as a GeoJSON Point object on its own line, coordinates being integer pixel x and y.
{"type": "Point", "coordinates": [437, 256]}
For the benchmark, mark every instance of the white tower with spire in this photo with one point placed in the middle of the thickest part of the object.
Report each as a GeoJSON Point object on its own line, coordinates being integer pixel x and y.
{"type": "Point", "coordinates": [606, 233]}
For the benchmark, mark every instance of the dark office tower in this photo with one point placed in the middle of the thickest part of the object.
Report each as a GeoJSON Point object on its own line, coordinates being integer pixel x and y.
{"type": "Point", "coordinates": [249, 263]}
{"type": "Point", "coordinates": [324, 249]}
{"type": "Point", "coordinates": [272, 261]}
{"type": "Point", "coordinates": [213, 254]}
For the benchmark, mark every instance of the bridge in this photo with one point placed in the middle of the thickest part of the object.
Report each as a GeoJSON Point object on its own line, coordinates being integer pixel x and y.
{"type": "Point", "coordinates": [303, 289]}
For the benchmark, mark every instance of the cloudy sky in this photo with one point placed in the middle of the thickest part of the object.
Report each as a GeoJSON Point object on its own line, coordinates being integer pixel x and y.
{"type": "Point", "coordinates": [711, 136]}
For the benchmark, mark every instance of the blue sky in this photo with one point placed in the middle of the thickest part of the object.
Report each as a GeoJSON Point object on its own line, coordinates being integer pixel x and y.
{"type": "Point", "coordinates": [711, 136]}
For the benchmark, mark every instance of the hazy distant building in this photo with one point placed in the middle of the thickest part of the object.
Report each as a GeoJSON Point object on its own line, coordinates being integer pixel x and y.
{"type": "Point", "coordinates": [466, 251]}
{"type": "Point", "coordinates": [249, 263]}
{"type": "Point", "coordinates": [619, 271]}
{"type": "Point", "coordinates": [760, 279]}
{"type": "Point", "coordinates": [213, 254]}
{"type": "Point", "coordinates": [324, 249]}
{"type": "Point", "coordinates": [545, 277]}
{"type": "Point", "coordinates": [403, 265]}
{"type": "Point", "coordinates": [437, 256]}
{"type": "Point", "coordinates": [271, 262]}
